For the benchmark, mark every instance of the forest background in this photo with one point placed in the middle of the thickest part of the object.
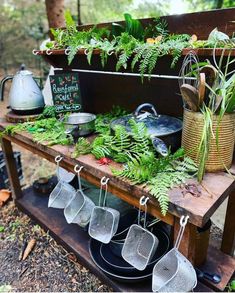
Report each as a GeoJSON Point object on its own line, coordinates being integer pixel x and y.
{"type": "Point", "coordinates": [24, 23]}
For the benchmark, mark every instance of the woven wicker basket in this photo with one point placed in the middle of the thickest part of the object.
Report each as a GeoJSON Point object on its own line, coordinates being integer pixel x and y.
{"type": "Point", "coordinates": [191, 136]}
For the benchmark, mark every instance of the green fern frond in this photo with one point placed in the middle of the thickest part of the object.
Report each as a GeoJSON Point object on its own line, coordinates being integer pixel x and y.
{"type": "Point", "coordinates": [82, 147]}
{"type": "Point", "coordinates": [101, 152]}
{"type": "Point", "coordinates": [122, 61]}
{"type": "Point", "coordinates": [139, 51]}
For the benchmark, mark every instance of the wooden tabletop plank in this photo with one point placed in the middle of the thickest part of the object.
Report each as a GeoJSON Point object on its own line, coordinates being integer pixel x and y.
{"type": "Point", "coordinates": [214, 188]}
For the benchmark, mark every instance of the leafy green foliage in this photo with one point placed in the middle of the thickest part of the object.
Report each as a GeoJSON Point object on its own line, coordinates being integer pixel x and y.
{"type": "Point", "coordinates": [134, 27]}
{"type": "Point", "coordinates": [49, 130]}
{"type": "Point", "coordinates": [174, 174]}
{"type": "Point", "coordinates": [158, 174]}
{"type": "Point", "coordinates": [141, 166]}
{"type": "Point", "coordinates": [48, 112]}
{"type": "Point", "coordinates": [126, 41]}
{"type": "Point", "coordinates": [157, 28]}
{"type": "Point", "coordinates": [102, 122]}
{"type": "Point", "coordinates": [82, 147]}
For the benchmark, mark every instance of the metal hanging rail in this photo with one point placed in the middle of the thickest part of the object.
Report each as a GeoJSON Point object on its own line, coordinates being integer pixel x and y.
{"type": "Point", "coordinates": [131, 74]}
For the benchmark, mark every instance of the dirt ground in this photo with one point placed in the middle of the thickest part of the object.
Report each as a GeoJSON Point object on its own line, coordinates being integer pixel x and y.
{"type": "Point", "coordinates": [49, 268]}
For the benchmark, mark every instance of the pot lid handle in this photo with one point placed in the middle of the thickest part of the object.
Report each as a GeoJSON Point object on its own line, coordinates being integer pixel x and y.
{"type": "Point", "coordinates": [145, 105]}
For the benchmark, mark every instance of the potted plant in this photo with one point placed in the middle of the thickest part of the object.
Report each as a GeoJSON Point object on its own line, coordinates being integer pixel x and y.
{"type": "Point", "coordinates": [208, 133]}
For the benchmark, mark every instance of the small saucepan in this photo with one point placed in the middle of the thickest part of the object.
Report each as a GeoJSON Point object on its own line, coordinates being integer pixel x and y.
{"type": "Point", "coordinates": [164, 130]}
{"type": "Point", "coordinates": [80, 124]}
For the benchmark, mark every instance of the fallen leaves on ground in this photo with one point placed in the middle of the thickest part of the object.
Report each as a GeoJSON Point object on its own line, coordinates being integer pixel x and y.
{"type": "Point", "coordinates": [5, 195]}
{"type": "Point", "coordinates": [49, 267]}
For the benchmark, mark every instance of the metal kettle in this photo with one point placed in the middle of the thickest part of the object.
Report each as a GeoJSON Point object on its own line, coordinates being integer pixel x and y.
{"type": "Point", "coordinates": [25, 96]}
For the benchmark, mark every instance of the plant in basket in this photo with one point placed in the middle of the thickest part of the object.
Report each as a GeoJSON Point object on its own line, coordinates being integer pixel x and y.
{"type": "Point", "coordinates": [209, 118]}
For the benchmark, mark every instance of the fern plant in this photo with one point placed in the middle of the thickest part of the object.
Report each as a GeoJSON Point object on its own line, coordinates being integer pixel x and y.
{"type": "Point", "coordinates": [174, 174]}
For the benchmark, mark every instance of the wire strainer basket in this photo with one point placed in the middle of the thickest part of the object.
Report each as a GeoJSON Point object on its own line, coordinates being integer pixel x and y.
{"type": "Point", "coordinates": [62, 193]}
{"type": "Point", "coordinates": [104, 220]}
{"type": "Point", "coordinates": [78, 210]}
{"type": "Point", "coordinates": [140, 244]}
{"type": "Point", "coordinates": [174, 272]}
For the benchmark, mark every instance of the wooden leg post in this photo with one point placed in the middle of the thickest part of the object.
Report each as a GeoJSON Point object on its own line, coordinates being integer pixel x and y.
{"type": "Point", "coordinates": [228, 241]}
{"type": "Point", "coordinates": [11, 168]}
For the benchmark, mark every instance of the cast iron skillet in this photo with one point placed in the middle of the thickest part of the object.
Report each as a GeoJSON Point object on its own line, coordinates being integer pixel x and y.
{"type": "Point", "coordinates": [119, 265]}
{"type": "Point", "coordinates": [94, 249]}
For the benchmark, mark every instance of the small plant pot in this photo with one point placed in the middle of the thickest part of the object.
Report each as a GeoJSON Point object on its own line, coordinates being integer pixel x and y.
{"type": "Point", "coordinates": [220, 156]}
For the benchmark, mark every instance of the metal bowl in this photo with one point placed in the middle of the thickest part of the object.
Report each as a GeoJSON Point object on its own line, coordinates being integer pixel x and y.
{"type": "Point", "coordinates": [80, 124]}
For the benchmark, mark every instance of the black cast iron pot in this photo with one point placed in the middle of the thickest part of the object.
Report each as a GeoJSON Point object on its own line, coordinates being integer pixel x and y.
{"type": "Point", "coordinates": [163, 129]}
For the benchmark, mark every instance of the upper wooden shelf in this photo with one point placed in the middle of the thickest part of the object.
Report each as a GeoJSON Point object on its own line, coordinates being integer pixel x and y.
{"type": "Point", "coordinates": [59, 59]}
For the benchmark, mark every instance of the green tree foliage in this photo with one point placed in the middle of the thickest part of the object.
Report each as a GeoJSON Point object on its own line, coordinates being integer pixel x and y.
{"type": "Point", "coordinates": [23, 27]}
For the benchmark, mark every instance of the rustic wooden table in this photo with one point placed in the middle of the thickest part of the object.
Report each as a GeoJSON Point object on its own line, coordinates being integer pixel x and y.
{"type": "Point", "coordinates": [214, 189]}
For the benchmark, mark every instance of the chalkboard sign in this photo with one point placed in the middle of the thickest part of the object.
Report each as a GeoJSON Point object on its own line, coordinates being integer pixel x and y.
{"type": "Point", "coordinates": [65, 90]}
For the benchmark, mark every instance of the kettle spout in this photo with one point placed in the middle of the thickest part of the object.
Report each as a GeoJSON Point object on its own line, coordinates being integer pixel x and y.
{"type": "Point", "coordinates": [2, 86]}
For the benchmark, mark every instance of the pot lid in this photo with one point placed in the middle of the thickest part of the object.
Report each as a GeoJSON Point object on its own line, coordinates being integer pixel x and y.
{"type": "Point", "coordinates": [157, 125]}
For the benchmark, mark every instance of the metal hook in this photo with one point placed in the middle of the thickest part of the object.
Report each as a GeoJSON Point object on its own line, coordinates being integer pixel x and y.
{"type": "Point", "coordinates": [110, 53]}
{"type": "Point", "coordinates": [48, 53]}
{"type": "Point", "coordinates": [86, 51]}
{"type": "Point", "coordinates": [78, 169]}
{"type": "Point", "coordinates": [143, 200]}
{"type": "Point", "coordinates": [67, 51]}
{"type": "Point", "coordinates": [58, 158]}
{"type": "Point", "coordinates": [104, 180]}
{"type": "Point", "coordinates": [184, 220]}
{"type": "Point", "coordinates": [35, 52]}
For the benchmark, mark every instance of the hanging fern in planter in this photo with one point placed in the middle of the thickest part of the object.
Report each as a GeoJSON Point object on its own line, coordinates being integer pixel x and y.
{"type": "Point", "coordinates": [124, 49]}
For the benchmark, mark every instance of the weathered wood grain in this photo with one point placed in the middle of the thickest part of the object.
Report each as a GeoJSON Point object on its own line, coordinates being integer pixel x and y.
{"type": "Point", "coordinates": [11, 168]}
{"type": "Point", "coordinates": [214, 189]}
{"type": "Point", "coordinates": [228, 242]}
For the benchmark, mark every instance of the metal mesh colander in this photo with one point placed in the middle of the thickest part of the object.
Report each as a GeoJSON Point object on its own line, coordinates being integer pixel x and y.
{"type": "Point", "coordinates": [140, 245]}
{"type": "Point", "coordinates": [104, 221]}
{"type": "Point", "coordinates": [62, 193]}
{"type": "Point", "coordinates": [174, 273]}
{"type": "Point", "coordinates": [79, 209]}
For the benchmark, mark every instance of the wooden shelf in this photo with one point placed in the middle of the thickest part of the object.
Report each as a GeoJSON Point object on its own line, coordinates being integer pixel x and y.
{"type": "Point", "coordinates": [76, 240]}
{"type": "Point", "coordinates": [59, 59]}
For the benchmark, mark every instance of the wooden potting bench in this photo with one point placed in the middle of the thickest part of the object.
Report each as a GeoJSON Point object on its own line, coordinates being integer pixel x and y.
{"type": "Point", "coordinates": [99, 93]}
{"type": "Point", "coordinates": [214, 189]}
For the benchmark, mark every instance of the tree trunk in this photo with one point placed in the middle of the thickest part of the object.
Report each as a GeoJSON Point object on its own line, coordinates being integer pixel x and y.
{"type": "Point", "coordinates": [79, 12]}
{"type": "Point", "coordinates": [219, 4]}
{"type": "Point", "coordinates": [55, 13]}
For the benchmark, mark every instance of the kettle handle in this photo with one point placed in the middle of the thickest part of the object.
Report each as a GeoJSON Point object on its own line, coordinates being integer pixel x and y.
{"type": "Point", "coordinates": [2, 85]}
{"type": "Point", "coordinates": [145, 105]}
